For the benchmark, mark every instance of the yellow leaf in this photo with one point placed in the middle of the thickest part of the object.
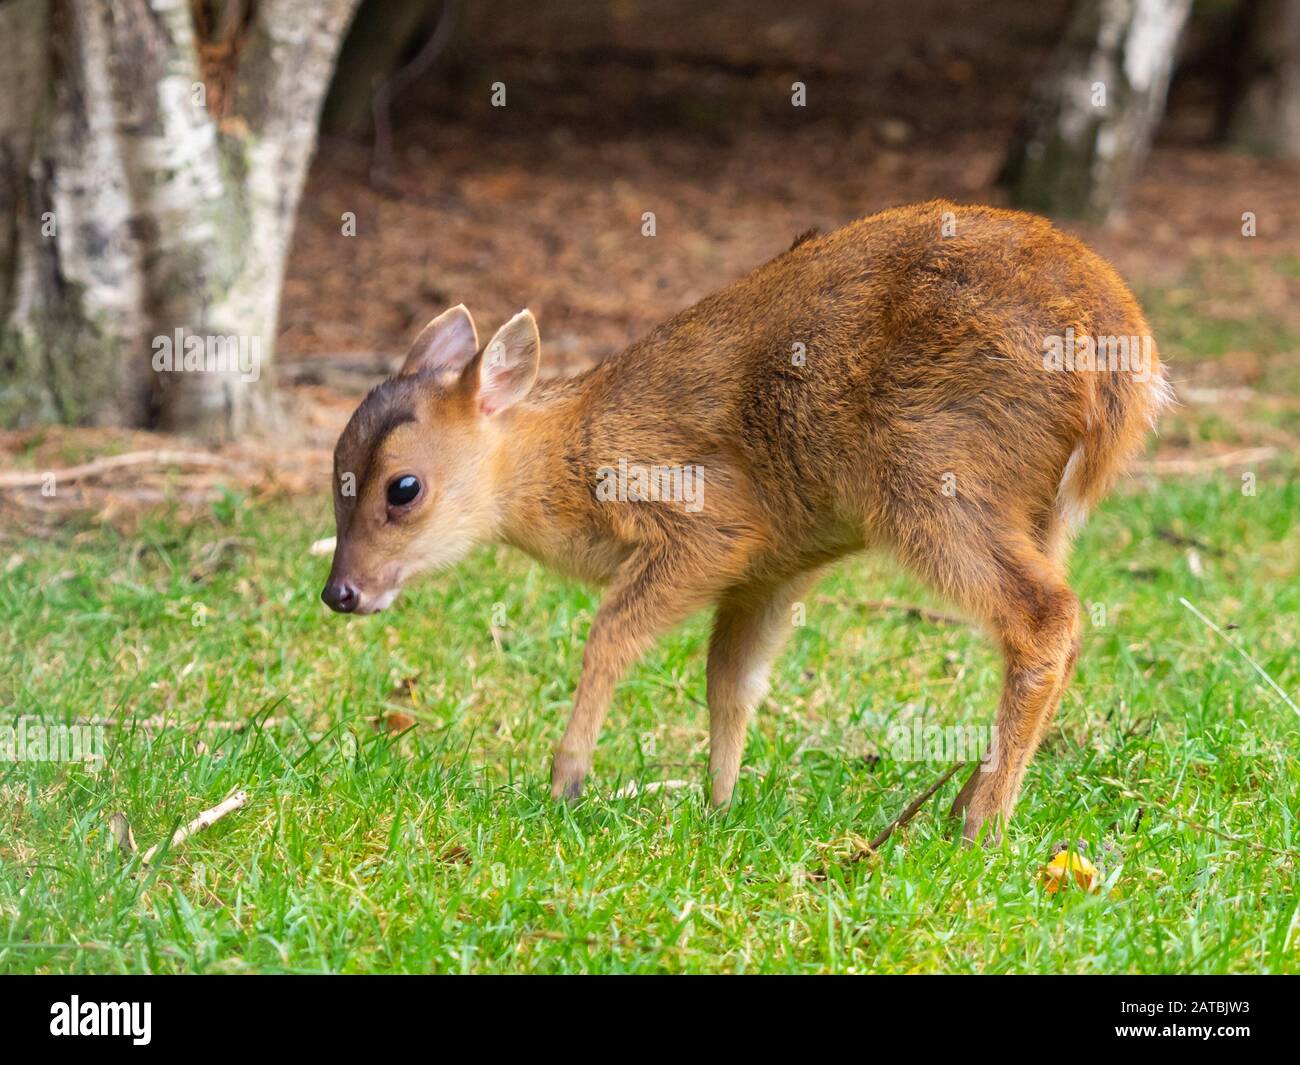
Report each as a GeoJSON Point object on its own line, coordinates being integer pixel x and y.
{"type": "Point", "coordinates": [1068, 864]}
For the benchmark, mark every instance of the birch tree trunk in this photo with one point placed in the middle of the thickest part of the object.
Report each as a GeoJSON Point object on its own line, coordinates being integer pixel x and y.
{"type": "Point", "coordinates": [144, 205]}
{"type": "Point", "coordinates": [1092, 117]}
{"type": "Point", "coordinates": [1263, 114]}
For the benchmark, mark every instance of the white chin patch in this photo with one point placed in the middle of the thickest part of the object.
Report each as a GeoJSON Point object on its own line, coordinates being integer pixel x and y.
{"type": "Point", "coordinates": [381, 602]}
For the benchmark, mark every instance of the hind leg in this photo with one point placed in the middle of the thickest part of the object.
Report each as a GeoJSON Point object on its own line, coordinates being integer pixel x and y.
{"type": "Point", "coordinates": [1039, 639]}
{"type": "Point", "coordinates": [750, 626]}
{"type": "Point", "coordinates": [1059, 541]}
{"type": "Point", "coordinates": [1003, 577]}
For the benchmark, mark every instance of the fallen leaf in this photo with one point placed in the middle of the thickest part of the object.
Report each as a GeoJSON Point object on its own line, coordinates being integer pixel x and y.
{"type": "Point", "coordinates": [122, 833]}
{"type": "Point", "coordinates": [393, 721]}
{"type": "Point", "coordinates": [1070, 864]}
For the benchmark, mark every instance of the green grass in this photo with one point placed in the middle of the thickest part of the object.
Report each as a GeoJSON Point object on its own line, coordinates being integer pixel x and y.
{"type": "Point", "coordinates": [440, 850]}
{"type": "Point", "coordinates": [1233, 306]}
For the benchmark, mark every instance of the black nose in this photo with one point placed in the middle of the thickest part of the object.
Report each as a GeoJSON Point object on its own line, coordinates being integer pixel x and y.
{"type": "Point", "coordinates": [340, 596]}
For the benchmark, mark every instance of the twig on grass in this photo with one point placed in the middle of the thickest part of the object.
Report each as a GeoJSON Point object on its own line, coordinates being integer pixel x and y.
{"type": "Point", "coordinates": [1178, 540]}
{"type": "Point", "coordinates": [912, 610]}
{"type": "Point", "coordinates": [1240, 841]}
{"type": "Point", "coordinates": [160, 457]}
{"type": "Point", "coordinates": [206, 819]}
{"type": "Point", "coordinates": [158, 723]}
{"type": "Point", "coordinates": [1176, 467]}
{"type": "Point", "coordinates": [911, 809]}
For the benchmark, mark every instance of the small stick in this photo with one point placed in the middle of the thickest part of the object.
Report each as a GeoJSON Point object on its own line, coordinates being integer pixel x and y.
{"type": "Point", "coordinates": [1171, 537]}
{"type": "Point", "coordinates": [206, 819]}
{"type": "Point", "coordinates": [910, 811]}
{"type": "Point", "coordinates": [1229, 837]}
{"type": "Point", "coordinates": [163, 457]}
{"type": "Point", "coordinates": [323, 546]}
{"type": "Point", "coordinates": [1174, 467]}
{"type": "Point", "coordinates": [161, 723]}
{"type": "Point", "coordinates": [1241, 841]}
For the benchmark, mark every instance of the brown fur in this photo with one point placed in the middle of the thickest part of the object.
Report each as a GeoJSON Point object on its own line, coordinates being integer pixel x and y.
{"type": "Point", "coordinates": [923, 371]}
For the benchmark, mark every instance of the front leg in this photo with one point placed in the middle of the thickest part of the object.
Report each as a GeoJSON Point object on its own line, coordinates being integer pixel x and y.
{"type": "Point", "coordinates": [652, 591]}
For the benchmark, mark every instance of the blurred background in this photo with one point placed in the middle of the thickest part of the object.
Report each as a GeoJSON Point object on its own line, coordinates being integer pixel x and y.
{"type": "Point", "coordinates": [328, 176]}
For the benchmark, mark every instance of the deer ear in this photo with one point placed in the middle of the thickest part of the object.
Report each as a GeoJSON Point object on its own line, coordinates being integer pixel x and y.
{"type": "Point", "coordinates": [509, 365]}
{"type": "Point", "coordinates": [445, 345]}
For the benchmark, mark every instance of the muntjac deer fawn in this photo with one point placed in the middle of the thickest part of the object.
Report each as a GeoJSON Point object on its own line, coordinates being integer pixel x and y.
{"type": "Point", "coordinates": [938, 381]}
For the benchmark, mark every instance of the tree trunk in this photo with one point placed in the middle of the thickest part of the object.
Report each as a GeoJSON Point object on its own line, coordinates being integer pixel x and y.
{"type": "Point", "coordinates": [1091, 119]}
{"type": "Point", "coordinates": [153, 210]}
{"type": "Point", "coordinates": [1262, 109]}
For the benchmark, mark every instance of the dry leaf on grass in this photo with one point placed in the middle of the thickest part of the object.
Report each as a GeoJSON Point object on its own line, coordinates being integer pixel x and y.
{"type": "Point", "coordinates": [393, 721]}
{"type": "Point", "coordinates": [122, 833]}
{"type": "Point", "coordinates": [849, 847]}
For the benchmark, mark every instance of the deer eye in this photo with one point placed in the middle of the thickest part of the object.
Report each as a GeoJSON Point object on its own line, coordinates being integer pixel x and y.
{"type": "Point", "coordinates": [403, 490]}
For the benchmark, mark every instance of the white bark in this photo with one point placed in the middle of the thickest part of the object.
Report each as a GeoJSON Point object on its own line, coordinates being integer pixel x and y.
{"type": "Point", "coordinates": [1093, 116]}
{"type": "Point", "coordinates": [73, 284]}
{"type": "Point", "coordinates": [168, 217]}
